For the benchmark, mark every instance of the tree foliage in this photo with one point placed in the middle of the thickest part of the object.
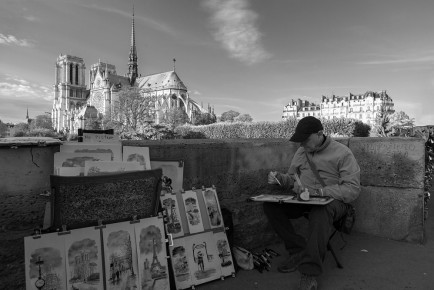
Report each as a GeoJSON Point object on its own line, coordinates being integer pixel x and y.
{"type": "Point", "coordinates": [41, 121]}
{"type": "Point", "coordinates": [229, 116]}
{"type": "Point", "coordinates": [132, 112]}
{"type": "Point", "coordinates": [395, 124]}
{"type": "Point", "coordinates": [3, 129]}
{"type": "Point", "coordinates": [243, 118]}
{"type": "Point", "coordinates": [175, 117]}
{"type": "Point", "coordinates": [204, 119]}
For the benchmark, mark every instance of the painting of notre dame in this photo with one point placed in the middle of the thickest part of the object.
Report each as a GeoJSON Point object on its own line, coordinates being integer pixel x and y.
{"type": "Point", "coordinates": [120, 255]}
{"type": "Point", "coordinates": [213, 208]}
{"type": "Point", "coordinates": [151, 254]}
{"type": "Point", "coordinates": [192, 211]}
{"type": "Point", "coordinates": [180, 264]}
{"type": "Point", "coordinates": [173, 224]}
{"type": "Point", "coordinates": [224, 253]}
{"type": "Point", "coordinates": [84, 260]}
{"type": "Point", "coordinates": [45, 262]}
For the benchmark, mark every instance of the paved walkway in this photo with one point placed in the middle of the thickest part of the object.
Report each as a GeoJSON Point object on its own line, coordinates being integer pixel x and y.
{"type": "Point", "coordinates": [369, 263]}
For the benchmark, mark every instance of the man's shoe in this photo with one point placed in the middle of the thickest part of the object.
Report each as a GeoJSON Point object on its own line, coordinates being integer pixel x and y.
{"type": "Point", "coordinates": [308, 282]}
{"type": "Point", "coordinates": [291, 264]}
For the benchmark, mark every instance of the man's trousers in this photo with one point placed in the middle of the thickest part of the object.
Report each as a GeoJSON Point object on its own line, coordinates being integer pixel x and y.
{"type": "Point", "coordinates": [321, 219]}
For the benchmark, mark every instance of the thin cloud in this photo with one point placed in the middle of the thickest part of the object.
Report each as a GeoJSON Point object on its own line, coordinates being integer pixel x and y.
{"type": "Point", "coordinates": [235, 28]}
{"type": "Point", "coordinates": [12, 40]}
{"type": "Point", "coordinates": [148, 21]}
{"type": "Point", "coordinates": [31, 18]}
{"type": "Point", "coordinates": [17, 88]}
{"type": "Point", "coordinates": [403, 59]}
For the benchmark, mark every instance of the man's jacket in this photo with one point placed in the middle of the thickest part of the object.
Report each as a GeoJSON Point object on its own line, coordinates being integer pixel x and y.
{"type": "Point", "coordinates": [335, 164]}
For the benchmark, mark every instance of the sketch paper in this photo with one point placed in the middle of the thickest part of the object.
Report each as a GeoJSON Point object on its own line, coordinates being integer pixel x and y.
{"type": "Point", "coordinates": [120, 256]}
{"type": "Point", "coordinates": [92, 168]}
{"type": "Point", "coordinates": [83, 259]}
{"type": "Point", "coordinates": [138, 154]}
{"type": "Point", "coordinates": [173, 224]}
{"type": "Point", "coordinates": [180, 264]}
{"type": "Point", "coordinates": [74, 160]}
{"type": "Point", "coordinates": [173, 171]}
{"type": "Point", "coordinates": [114, 149]}
{"type": "Point", "coordinates": [69, 171]}
{"type": "Point", "coordinates": [45, 261]}
{"type": "Point", "coordinates": [212, 208]}
{"type": "Point", "coordinates": [203, 258]}
{"type": "Point", "coordinates": [192, 212]}
{"type": "Point", "coordinates": [152, 255]}
{"type": "Point", "coordinates": [100, 138]}
{"type": "Point", "coordinates": [224, 253]}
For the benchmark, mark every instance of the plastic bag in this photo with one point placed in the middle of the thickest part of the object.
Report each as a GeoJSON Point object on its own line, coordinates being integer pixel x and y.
{"type": "Point", "coordinates": [243, 258]}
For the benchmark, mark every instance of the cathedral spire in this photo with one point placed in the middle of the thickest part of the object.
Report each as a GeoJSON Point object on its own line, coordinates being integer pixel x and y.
{"type": "Point", "coordinates": [132, 60]}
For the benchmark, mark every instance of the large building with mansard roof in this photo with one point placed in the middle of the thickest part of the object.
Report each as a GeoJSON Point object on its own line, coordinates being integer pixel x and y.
{"type": "Point", "coordinates": [365, 107]}
{"type": "Point", "coordinates": [74, 102]}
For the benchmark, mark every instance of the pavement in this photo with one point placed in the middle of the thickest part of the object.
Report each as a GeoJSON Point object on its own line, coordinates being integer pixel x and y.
{"type": "Point", "coordinates": [369, 262]}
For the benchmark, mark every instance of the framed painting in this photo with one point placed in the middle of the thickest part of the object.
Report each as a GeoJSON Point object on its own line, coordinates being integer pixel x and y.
{"type": "Point", "coordinates": [224, 253]}
{"type": "Point", "coordinates": [69, 171]}
{"type": "Point", "coordinates": [45, 262]}
{"type": "Point", "coordinates": [137, 154]}
{"type": "Point", "coordinates": [180, 264]}
{"type": "Point", "coordinates": [212, 206]}
{"type": "Point", "coordinates": [114, 149]}
{"type": "Point", "coordinates": [173, 174]}
{"type": "Point", "coordinates": [120, 256]}
{"type": "Point", "coordinates": [203, 257]}
{"type": "Point", "coordinates": [77, 160]}
{"type": "Point", "coordinates": [174, 223]}
{"type": "Point", "coordinates": [151, 254]}
{"type": "Point", "coordinates": [93, 168]}
{"type": "Point", "coordinates": [84, 259]}
{"type": "Point", "coordinates": [192, 212]}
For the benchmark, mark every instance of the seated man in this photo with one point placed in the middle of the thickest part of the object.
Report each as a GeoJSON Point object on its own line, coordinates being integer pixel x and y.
{"type": "Point", "coordinates": [338, 176]}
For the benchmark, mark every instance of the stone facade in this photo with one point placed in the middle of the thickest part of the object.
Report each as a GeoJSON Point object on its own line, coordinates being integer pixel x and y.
{"type": "Point", "coordinates": [74, 102]}
{"type": "Point", "coordinates": [364, 107]}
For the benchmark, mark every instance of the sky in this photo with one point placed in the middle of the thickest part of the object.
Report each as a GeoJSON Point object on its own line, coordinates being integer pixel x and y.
{"type": "Point", "coordinates": [250, 56]}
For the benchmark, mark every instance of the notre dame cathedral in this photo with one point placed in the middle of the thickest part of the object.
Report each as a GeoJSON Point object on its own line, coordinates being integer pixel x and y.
{"type": "Point", "coordinates": [74, 102]}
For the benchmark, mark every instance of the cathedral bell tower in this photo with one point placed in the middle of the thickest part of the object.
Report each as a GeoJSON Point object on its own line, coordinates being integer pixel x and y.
{"type": "Point", "coordinates": [132, 59]}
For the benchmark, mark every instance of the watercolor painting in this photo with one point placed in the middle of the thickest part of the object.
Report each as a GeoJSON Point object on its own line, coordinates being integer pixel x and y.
{"type": "Point", "coordinates": [173, 224]}
{"type": "Point", "coordinates": [137, 154]}
{"type": "Point", "coordinates": [77, 160]}
{"type": "Point", "coordinates": [69, 171]}
{"type": "Point", "coordinates": [192, 211]}
{"type": "Point", "coordinates": [114, 149]}
{"type": "Point", "coordinates": [173, 174]}
{"type": "Point", "coordinates": [120, 255]}
{"type": "Point", "coordinates": [213, 208]}
{"type": "Point", "coordinates": [152, 255]}
{"type": "Point", "coordinates": [45, 262]}
{"type": "Point", "coordinates": [203, 258]}
{"type": "Point", "coordinates": [224, 253]}
{"type": "Point", "coordinates": [93, 168]}
{"type": "Point", "coordinates": [84, 260]}
{"type": "Point", "coordinates": [180, 264]}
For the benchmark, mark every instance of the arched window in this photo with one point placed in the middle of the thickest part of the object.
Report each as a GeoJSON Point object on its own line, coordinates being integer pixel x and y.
{"type": "Point", "coordinates": [76, 74]}
{"type": "Point", "coordinates": [70, 73]}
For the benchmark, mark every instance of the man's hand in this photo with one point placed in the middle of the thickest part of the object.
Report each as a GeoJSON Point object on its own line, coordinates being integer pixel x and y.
{"type": "Point", "coordinates": [272, 178]}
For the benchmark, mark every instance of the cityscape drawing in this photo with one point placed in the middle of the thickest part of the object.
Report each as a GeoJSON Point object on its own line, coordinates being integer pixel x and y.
{"type": "Point", "coordinates": [192, 212]}
{"type": "Point", "coordinates": [213, 208]}
{"type": "Point", "coordinates": [173, 224]}
{"type": "Point", "coordinates": [180, 264]}
{"type": "Point", "coordinates": [137, 154]}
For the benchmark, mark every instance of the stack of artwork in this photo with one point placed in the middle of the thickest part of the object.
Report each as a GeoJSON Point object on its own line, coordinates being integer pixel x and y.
{"type": "Point", "coordinates": [90, 159]}
{"type": "Point", "coordinates": [200, 251]}
{"type": "Point", "coordinates": [120, 256]}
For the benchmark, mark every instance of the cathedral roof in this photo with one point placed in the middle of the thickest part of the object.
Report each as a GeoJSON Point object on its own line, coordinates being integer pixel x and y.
{"type": "Point", "coordinates": [165, 80]}
{"type": "Point", "coordinates": [118, 81]}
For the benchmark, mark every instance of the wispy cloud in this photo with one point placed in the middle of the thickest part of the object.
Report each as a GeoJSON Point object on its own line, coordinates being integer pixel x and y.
{"type": "Point", "coordinates": [18, 88]}
{"type": "Point", "coordinates": [409, 58]}
{"type": "Point", "coordinates": [31, 18]}
{"type": "Point", "coordinates": [235, 28]}
{"type": "Point", "coordinates": [12, 40]}
{"type": "Point", "coordinates": [148, 21]}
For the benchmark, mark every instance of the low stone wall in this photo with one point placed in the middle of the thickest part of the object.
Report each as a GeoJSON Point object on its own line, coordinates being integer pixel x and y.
{"type": "Point", "coordinates": [390, 204]}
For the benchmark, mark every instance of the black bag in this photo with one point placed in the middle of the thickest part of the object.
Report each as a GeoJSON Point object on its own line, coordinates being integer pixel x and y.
{"type": "Point", "coordinates": [347, 222]}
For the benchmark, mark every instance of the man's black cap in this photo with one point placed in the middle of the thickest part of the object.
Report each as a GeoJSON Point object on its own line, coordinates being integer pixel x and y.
{"type": "Point", "coordinates": [306, 127]}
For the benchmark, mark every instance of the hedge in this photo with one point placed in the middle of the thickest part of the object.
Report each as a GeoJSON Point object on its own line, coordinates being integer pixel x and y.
{"type": "Point", "coordinates": [266, 129]}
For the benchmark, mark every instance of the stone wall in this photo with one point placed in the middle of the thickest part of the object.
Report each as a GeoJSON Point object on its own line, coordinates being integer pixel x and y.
{"type": "Point", "coordinates": [390, 204]}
